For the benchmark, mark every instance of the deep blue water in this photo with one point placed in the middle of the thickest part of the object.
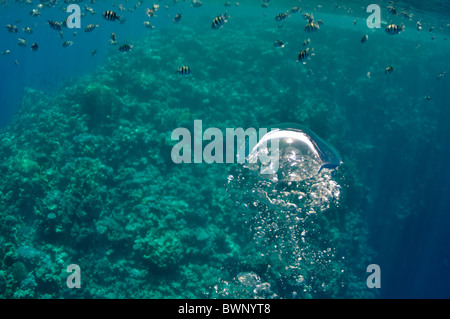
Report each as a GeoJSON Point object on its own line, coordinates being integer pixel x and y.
{"type": "Point", "coordinates": [394, 138]}
{"type": "Point", "coordinates": [50, 66]}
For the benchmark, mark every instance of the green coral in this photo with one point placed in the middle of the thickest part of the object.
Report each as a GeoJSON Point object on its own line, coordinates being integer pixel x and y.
{"type": "Point", "coordinates": [163, 250]}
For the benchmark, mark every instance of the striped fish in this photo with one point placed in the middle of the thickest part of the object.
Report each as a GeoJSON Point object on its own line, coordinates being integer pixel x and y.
{"type": "Point", "coordinates": [90, 27]}
{"type": "Point", "coordinates": [281, 16]}
{"type": "Point", "coordinates": [278, 44]}
{"type": "Point", "coordinates": [184, 70]}
{"type": "Point", "coordinates": [394, 29]}
{"type": "Point", "coordinates": [219, 21]}
{"type": "Point", "coordinates": [125, 48]}
{"type": "Point", "coordinates": [304, 54]}
{"type": "Point", "coordinates": [67, 44]}
{"type": "Point", "coordinates": [110, 15]}
{"type": "Point", "coordinates": [54, 25]}
{"type": "Point", "coordinates": [312, 27]}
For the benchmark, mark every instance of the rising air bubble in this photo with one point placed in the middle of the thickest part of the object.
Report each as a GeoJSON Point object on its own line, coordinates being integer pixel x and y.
{"type": "Point", "coordinates": [290, 167]}
{"type": "Point", "coordinates": [282, 184]}
{"type": "Point", "coordinates": [289, 153]}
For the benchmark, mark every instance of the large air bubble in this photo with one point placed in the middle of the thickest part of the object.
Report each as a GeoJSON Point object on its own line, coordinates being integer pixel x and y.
{"type": "Point", "coordinates": [289, 167]}
{"type": "Point", "coordinates": [289, 153]}
{"type": "Point", "coordinates": [282, 187]}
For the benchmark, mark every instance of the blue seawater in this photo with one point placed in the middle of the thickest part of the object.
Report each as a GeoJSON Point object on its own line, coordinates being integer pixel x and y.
{"type": "Point", "coordinates": [88, 177]}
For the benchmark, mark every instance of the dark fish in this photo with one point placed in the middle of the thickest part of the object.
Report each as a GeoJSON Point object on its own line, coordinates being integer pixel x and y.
{"type": "Point", "coordinates": [113, 39]}
{"type": "Point", "coordinates": [89, 9]}
{"type": "Point", "coordinates": [55, 25]}
{"type": "Point", "coordinates": [93, 52]}
{"type": "Point", "coordinates": [110, 15]}
{"type": "Point", "coordinates": [219, 21]}
{"type": "Point", "coordinates": [34, 47]}
{"type": "Point", "coordinates": [440, 75]}
{"type": "Point", "coordinates": [418, 26]}
{"type": "Point", "coordinates": [90, 27]}
{"type": "Point", "coordinates": [304, 54]}
{"type": "Point", "coordinates": [12, 28]}
{"type": "Point", "coordinates": [27, 30]}
{"type": "Point", "coordinates": [392, 10]}
{"type": "Point", "coordinates": [21, 42]}
{"type": "Point", "coordinates": [389, 69]}
{"type": "Point", "coordinates": [364, 38]}
{"type": "Point", "coordinates": [394, 29]}
{"type": "Point", "coordinates": [125, 48]}
{"type": "Point", "coordinates": [308, 17]}
{"type": "Point", "coordinates": [184, 70]}
{"type": "Point", "coordinates": [177, 18]}
{"type": "Point", "coordinates": [427, 98]}
{"type": "Point", "coordinates": [406, 15]}
{"type": "Point", "coordinates": [35, 13]}
{"type": "Point", "coordinates": [281, 16]}
{"type": "Point", "coordinates": [150, 12]}
{"type": "Point", "coordinates": [312, 27]}
{"type": "Point", "coordinates": [278, 44]}
{"type": "Point", "coordinates": [148, 25]}
{"type": "Point", "coordinates": [67, 44]}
